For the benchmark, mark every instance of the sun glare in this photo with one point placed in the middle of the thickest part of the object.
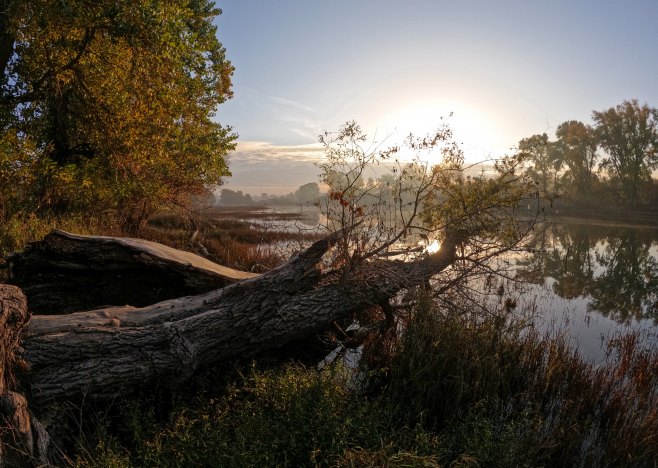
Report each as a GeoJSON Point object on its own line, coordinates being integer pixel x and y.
{"type": "Point", "coordinates": [433, 247]}
{"type": "Point", "coordinates": [475, 132]}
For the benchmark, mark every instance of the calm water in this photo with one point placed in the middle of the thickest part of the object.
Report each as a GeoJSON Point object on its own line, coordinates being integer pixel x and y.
{"type": "Point", "coordinates": [592, 280]}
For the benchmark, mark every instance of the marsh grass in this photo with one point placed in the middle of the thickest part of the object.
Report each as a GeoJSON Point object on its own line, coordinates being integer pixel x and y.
{"type": "Point", "coordinates": [457, 389]}
{"type": "Point", "coordinates": [232, 242]}
{"type": "Point", "coordinates": [505, 395]}
{"type": "Point", "coordinates": [238, 243]}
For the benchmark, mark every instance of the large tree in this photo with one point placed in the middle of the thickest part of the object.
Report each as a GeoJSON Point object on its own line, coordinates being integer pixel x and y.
{"type": "Point", "coordinates": [629, 135]}
{"type": "Point", "coordinates": [539, 152]}
{"type": "Point", "coordinates": [575, 148]}
{"type": "Point", "coordinates": [117, 100]}
{"type": "Point", "coordinates": [308, 193]}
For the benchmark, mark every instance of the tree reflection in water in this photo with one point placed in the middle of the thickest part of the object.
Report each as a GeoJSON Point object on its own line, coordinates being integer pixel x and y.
{"type": "Point", "coordinates": [616, 269]}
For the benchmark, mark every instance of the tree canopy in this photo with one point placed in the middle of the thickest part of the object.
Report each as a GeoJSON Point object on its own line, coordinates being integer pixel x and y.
{"type": "Point", "coordinates": [629, 135]}
{"type": "Point", "coordinates": [613, 158]}
{"type": "Point", "coordinates": [575, 148]}
{"type": "Point", "coordinates": [538, 151]}
{"type": "Point", "coordinates": [109, 106]}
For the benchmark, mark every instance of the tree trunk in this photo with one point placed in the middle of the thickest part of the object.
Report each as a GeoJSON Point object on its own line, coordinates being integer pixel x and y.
{"type": "Point", "coordinates": [23, 439]}
{"type": "Point", "coordinates": [67, 272]}
{"type": "Point", "coordinates": [108, 352]}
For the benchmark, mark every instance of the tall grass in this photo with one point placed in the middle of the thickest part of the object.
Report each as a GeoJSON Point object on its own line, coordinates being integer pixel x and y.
{"type": "Point", "coordinates": [231, 242]}
{"type": "Point", "coordinates": [18, 231]}
{"type": "Point", "coordinates": [505, 395]}
{"type": "Point", "coordinates": [457, 389]}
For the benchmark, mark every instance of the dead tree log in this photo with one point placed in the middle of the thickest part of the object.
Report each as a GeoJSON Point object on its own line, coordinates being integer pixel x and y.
{"type": "Point", "coordinates": [109, 352]}
{"type": "Point", "coordinates": [67, 272]}
{"type": "Point", "coordinates": [23, 439]}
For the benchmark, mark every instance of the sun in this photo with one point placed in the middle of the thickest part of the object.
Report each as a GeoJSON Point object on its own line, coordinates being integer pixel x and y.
{"type": "Point", "coordinates": [472, 128]}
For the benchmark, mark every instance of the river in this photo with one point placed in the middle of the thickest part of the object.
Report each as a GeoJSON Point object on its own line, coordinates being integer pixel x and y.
{"type": "Point", "coordinates": [591, 280]}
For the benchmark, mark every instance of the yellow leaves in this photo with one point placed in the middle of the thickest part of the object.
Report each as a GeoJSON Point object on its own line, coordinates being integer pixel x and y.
{"type": "Point", "coordinates": [64, 176]}
{"type": "Point", "coordinates": [481, 207]}
{"type": "Point", "coordinates": [119, 100]}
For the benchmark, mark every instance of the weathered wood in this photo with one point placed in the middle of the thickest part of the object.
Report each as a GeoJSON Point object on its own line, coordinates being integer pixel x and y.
{"type": "Point", "coordinates": [13, 318]}
{"type": "Point", "coordinates": [23, 440]}
{"type": "Point", "coordinates": [108, 353]}
{"type": "Point", "coordinates": [67, 272]}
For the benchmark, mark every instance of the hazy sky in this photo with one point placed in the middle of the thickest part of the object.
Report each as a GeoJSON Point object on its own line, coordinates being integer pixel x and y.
{"type": "Point", "coordinates": [506, 69]}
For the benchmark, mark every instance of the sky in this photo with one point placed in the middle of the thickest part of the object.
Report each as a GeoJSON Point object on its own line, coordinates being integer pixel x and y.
{"type": "Point", "coordinates": [505, 70]}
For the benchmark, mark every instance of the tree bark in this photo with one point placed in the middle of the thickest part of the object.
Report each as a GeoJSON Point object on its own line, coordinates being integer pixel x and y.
{"type": "Point", "coordinates": [110, 352]}
{"type": "Point", "coordinates": [23, 440]}
{"type": "Point", "coordinates": [67, 272]}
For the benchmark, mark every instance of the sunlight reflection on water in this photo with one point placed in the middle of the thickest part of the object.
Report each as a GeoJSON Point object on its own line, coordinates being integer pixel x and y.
{"type": "Point", "coordinates": [593, 282]}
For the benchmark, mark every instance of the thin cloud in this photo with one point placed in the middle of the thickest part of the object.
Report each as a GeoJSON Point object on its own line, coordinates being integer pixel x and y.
{"type": "Point", "coordinates": [279, 101]}
{"type": "Point", "coordinates": [290, 103]}
{"type": "Point", "coordinates": [259, 151]}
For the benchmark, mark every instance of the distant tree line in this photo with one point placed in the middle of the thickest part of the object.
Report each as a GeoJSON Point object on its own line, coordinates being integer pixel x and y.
{"type": "Point", "coordinates": [613, 158]}
{"type": "Point", "coordinates": [307, 194]}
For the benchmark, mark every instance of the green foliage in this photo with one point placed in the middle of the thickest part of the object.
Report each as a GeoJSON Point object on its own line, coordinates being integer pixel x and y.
{"type": "Point", "coordinates": [288, 417]}
{"type": "Point", "coordinates": [291, 417]}
{"type": "Point", "coordinates": [629, 135]}
{"type": "Point", "coordinates": [538, 150]}
{"type": "Point", "coordinates": [575, 148]}
{"type": "Point", "coordinates": [112, 105]}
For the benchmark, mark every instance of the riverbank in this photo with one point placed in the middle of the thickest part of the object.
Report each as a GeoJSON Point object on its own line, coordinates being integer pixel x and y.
{"type": "Point", "coordinates": [612, 216]}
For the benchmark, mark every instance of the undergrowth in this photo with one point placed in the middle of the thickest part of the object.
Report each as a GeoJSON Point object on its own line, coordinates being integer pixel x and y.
{"type": "Point", "coordinates": [18, 231]}
{"type": "Point", "coordinates": [456, 389]}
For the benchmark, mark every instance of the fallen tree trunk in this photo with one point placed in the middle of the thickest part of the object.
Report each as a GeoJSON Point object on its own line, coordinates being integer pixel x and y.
{"type": "Point", "coordinates": [109, 352]}
{"type": "Point", "coordinates": [68, 272]}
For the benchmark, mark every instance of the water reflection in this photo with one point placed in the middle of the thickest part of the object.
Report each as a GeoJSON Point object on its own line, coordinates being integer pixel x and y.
{"type": "Point", "coordinates": [615, 269]}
